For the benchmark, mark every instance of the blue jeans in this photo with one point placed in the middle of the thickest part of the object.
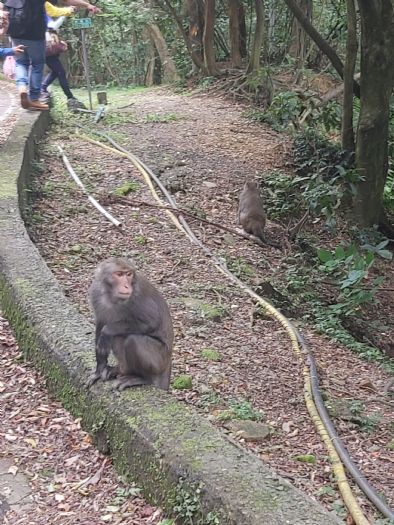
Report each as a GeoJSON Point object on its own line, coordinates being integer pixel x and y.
{"type": "Point", "coordinates": [34, 57]}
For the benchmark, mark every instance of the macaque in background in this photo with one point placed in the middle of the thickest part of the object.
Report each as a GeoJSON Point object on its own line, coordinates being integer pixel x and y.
{"type": "Point", "coordinates": [251, 214]}
{"type": "Point", "coordinates": [134, 321]}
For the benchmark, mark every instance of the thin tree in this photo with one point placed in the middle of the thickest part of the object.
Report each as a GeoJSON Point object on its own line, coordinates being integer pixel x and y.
{"type": "Point", "coordinates": [299, 40]}
{"type": "Point", "coordinates": [321, 43]}
{"type": "Point", "coordinates": [209, 39]}
{"type": "Point", "coordinates": [348, 76]}
{"type": "Point", "coordinates": [234, 33]}
{"type": "Point", "coordinates": [258, 38]}
{"type": "Point", "coordinates": [377, 81]}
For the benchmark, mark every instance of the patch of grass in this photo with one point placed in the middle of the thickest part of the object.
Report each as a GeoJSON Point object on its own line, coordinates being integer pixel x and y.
{"type": "Point", "coordinates": [118, 118]}
{"type": "Point", "coordinates": [37, 218]}
{"type": "Point", "coordinates": [211, 354]}
{"type": "Point", "coordinates": [209, 399]}
{"type": "Point", "coordinates": [124, 493]}
{"type": "Point", "coordinates": [182, 382]}
{"type": "Point", "coordinates": [72, 211]}
{"type": "Point", "coordinates": [240, 410]}
{"type": "Point", "coordinates": [212, 312]}
{"type": "Point", "coordinates": [156, 117]}
{"type": "Point", "coordinates": [126, 188]}
{"type": "Point", "coordinates": [305, 458]}
{"type": "Point", "coordinates": [141, 239]}
{"type": "Point", "coordinates": [240, 267]}
{"type": "Point", "coordinates": [48, 189]}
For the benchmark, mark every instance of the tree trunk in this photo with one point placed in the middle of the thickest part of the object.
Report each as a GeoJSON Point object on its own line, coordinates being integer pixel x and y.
{"type": "Point", "coordinates": [197, 60]}
{"type": "Point", "coordinates": [321, 43]}
{"type": "Point", "coordinates": [348, 76]}
{"type": "Point", "coordinates": [170, 73]}
{"type": "Point", "coordinates": [258, 38]}
{"type": "Point", "coordinates": [298, 41]}
{"type": "Point", "coordinates": [234, 32]}
{"type": "Point", "coordinates": [150, 60]}
{"type": "Point", "coordinates": [195, 12]}
{"type": "Point", "coordinates": [377, 79]}
{"type": "Point", "coordinates": [209, 39]}
{"type": "Point", "coordinates": [242, 31]}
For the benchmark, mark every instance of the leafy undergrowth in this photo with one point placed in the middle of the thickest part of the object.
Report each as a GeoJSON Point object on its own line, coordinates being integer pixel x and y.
{"type": "Point", "coordinates": [237, 361]}
{"type": "Point", "coordinates": [70, 481]}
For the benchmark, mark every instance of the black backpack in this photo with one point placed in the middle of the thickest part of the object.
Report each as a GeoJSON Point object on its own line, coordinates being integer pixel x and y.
{"type": "Point", "coordinates": [18, 13]}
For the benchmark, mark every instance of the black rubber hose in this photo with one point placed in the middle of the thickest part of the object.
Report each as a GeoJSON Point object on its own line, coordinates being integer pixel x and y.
{"type": "Point", "coordinates": [357, 476]}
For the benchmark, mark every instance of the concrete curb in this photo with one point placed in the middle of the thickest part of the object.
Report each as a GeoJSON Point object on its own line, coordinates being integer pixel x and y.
{"type": "Point", "coordinates": [179, 459]}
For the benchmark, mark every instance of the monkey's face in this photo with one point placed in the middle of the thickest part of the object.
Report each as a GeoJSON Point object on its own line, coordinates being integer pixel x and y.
{"type": "Point", "coordinates": [121, 284]}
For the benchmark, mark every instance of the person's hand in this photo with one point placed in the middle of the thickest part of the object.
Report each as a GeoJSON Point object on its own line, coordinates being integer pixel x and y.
{"type": "Point", "coordinates": [72, 9]}
{"type": "Point", "coordinates": [18, 49]}
{"type": "Point", "coordinates": [93, 9]}
{"type": "Point", "coordinates": [64, 44]}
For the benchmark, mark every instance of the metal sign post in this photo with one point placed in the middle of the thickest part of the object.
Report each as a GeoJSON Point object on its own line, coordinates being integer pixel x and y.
{"type": "Point", "coordinates": [82, 24]}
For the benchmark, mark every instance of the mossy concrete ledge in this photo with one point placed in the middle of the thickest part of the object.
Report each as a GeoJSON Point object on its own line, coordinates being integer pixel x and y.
{"type": "Point", "coordinates": [179, 459]}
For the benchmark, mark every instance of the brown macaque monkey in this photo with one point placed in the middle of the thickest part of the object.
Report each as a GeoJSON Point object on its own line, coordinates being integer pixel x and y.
{"type": "Point", "coordinates": [251, 214]}
{"type": "Point", "coordinates": [134, 321]}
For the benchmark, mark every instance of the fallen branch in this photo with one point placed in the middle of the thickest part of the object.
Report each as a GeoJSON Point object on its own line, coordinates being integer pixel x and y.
{"type": "Point", "coordinates": [112, 199]}
{"type": "Point", "coordinates": [97, 205]}
{"type": "Point", "coordinates": [295, 230]}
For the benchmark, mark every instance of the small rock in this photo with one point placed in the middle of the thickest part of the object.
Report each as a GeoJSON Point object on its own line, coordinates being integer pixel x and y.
{"type": "Point", "coordinates": [250, 430]}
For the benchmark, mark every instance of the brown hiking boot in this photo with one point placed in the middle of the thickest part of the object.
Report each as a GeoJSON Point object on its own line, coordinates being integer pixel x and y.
{"type": "Point", "coordinates": [25, 102]}
{"type": "Point", "coordinates": [37, 105]}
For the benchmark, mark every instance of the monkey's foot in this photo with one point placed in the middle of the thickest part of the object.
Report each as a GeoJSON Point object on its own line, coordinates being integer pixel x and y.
{"type": "Point", "coordinates": [124, 382]}
{"type": "Point", "coordinates": [107, 373]}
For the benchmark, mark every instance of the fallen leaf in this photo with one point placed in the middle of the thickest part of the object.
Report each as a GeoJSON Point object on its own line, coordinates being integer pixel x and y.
{"type": "Point", "coordinates": [367, 385]}
{"type": "Point", "coordinates": [13, 470]}
{"type": "Point", "coordinates": [112, 508]}
{"type": "Point", "coordinates": [31, 441]}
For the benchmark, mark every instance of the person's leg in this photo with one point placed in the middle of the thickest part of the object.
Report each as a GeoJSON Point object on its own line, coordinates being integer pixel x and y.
{"type": "Point", "coordinates": [22, 64]}
{"type": "Point", "coordinates": [57, 67]}
{"type": "Point", "coordinates": [36, 53]}
{"type": "Point", "coordinates": [50, 78]}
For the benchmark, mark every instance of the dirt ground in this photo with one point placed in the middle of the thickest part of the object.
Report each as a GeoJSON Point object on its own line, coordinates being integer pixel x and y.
{"type": "Point", "coordinates": [203, 148]}
{"type": "Point", "coordinates": [70, 482]}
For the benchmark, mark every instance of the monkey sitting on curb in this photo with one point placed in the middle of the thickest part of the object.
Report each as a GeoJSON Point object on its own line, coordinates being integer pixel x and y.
{"type": "Point", "coordinates": [133, 321]}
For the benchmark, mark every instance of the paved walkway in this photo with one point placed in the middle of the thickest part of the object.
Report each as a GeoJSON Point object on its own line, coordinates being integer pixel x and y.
{"type": "Point", "coordinates": [9, 108]}
{"type": "Point", "coordinates": [15, 491]}
{"type": "Point", "coordinates": [8, 99]}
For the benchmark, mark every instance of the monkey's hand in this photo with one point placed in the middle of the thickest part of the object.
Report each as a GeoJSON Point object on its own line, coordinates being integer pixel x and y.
{"type": "Point", "coordinates": [105, 373]}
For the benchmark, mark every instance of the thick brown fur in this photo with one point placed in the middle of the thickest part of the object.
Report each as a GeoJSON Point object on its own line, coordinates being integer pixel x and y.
{"type": "Point", "coordinates": [251, 214]}
{"type": "Point", "coordinates": [134, 321]}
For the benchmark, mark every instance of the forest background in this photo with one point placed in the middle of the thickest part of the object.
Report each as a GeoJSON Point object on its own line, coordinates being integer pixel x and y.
{"type": "Point", "coordinates": [247, 47]}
